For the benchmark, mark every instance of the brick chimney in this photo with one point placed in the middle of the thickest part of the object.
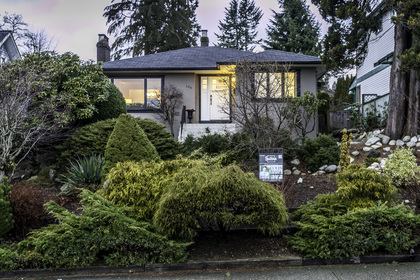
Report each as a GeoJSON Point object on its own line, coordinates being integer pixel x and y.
{"type": "Point", "coordinates": [103, 51]}
{"type": "Point", "coordinates": [204, 38]}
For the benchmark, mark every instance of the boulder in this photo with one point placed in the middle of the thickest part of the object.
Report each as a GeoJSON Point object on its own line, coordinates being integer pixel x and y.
{"type": "Point", "coordinates": [367, 149]}
{"type": "Point", "coordinates": [287, 172]}
{"type": "Point", "coordinates": [411, 144]}
{"type": "Point", "coordinates": [372, 140]}
{"type": "Point", "coordinates": [413, 139]}
{"type": "Point", "coordinates": [406, 138]}
{"type": "Point", "coordinates": [323, 167]}
{"type": "Point", "coordinates": [385, 139]}
{"type": "Point", "coordinates": [375, 147]}
{"type": "Point", "coordinates": [392, 143]}
{"type": "Point", "coordinates": [400, 143]}
{"type": "Point", "coordinates": [300, 180]}
{"type": "Point", "coordinates": [296, 172]}
{"type": "Point", "coordinates": [295, 162]}
{"type": "Point", "coordinates": [387, 149]}
{"type": "Point", "coordinates": [331, 168]}
{"type": "Point", "coordinates": [355, 153]}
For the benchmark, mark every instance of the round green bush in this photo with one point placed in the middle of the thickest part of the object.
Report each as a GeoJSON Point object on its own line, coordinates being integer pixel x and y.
{"type": "Point", "coordinates": [92, 139]}
{"type": "Point", "coordinates": [363, 188]}
{"type": "Point", "coordinates": [402, 168]}
{"type": "Point", "coordinates": [141, 185]}
{"type": "Point", "coordinates": [128, 142]}
{"type": "Point", "coordinates": [200, 196]}
{"type": "Point", "coordinates": [322, 150]}
{"type": "Point", "coordinates": [112, 107]}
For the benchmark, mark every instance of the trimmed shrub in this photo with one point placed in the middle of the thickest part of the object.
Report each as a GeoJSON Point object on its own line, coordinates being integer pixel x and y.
{"type": "Point", "coordinates": [200, 196]}
{"type": "Point", "coordinates": [211, 144]}
{"type": "Point", "coordinates": [84, 172]}
{"type": "Point", "coordinates": [356, 233]}
{"type": "Point", "coordinates": [322, 150]}
{"type": "Point", "coordinates": [103, 232]}
{"type": "Point", "coordinates": [9, 260]}
{"type": "Point", "coordinates": [128, 142]}
{"type": "Point", "coordinates": [402, 168]}
{"type": "Point", "coordinates": [112, 107]}
{"type": "Point", "coordinates": [141, 185]}
{"type": "Point", "coordinates": [6, 220]}
{"type": "Point", "coordinates": [363, 188]}
{"type": "Point", "coordinates": [92, 139]}
{"type": "Point", "coordinates": [27, 204]}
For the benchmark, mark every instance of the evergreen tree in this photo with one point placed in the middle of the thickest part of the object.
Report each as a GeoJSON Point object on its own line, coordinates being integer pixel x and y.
{"type": "Point", "coordinates": [238, 30]}
{"type": "Point", "coordinates": [150, 26]}
{"type": "Point", "coordinates": [342, 97]}
{"type": "Point", "coordinates": [295, 29]}
{"type": "Point", "coordinates": [128, 142]}
{"type": "Point", "coordinates": [6, 221]}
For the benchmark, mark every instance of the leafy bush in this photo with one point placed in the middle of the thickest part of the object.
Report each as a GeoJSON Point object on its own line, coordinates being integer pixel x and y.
{"type": "Point", "coordinates": [141, 185]}
{"type": "Point", "coordinates": [102, 232]}
{"type": "Point", "coordinates": [112, 107]}
{"type": "Point", "coordinates": [322, 150]}
{"type": "Point", "coordinates": [6, 221]}
{"type": "Point", "coordinates": [92, 139]}
{"type": "Point", "coordinates": [363, 188]}
{"type": "Point", "coordinates": [402, 168]}
{"type": "Point", "coordinates": [370, 160]}
{"type": "Point", "coordinates": [9, 260]}
{"type": "Point", "coordinates": [200, 196]}
{"type": "Point", "coordinates": [84, 172]}
{"type": "Point", "coordinates": [373, 154]}
{"type": "Point", "coordinates": [128, 142]}
{"type": "Point", "coordinates": [27, 204]}
{"type": "Point", "coordinates": [356, 233]}
{"type": "Point", "coordinates": [211, 144]}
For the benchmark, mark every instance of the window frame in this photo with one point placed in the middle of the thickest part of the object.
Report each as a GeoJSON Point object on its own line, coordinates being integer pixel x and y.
{"type": "Point", "coordinates": [144, 78]}
{"type": "Point", "coordinates": [282, 98]}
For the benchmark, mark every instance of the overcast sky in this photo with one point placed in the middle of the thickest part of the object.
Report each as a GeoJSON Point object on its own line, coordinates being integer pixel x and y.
{"type": "Point", "coordinates": [75, 24]}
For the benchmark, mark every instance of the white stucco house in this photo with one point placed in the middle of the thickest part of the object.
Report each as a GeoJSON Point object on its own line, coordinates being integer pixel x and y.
{"type": "Point", "coordinates": [198, 72]}
{"type": "Point", "coordinates": [371, 85]}
{"type": "Point", "coordinates": [8, 48]}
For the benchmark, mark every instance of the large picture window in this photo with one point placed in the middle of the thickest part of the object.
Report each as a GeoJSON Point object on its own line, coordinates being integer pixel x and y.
{"type": "Point", "coordinates": [140, 93]}
{"type": "Point", "coordinates": [276, 85]}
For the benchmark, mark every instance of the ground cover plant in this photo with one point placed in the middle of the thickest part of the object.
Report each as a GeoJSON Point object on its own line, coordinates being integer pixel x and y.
{"type": "Point", "coordinates": [402, 168]}
{"type": "Point", "coordinates": [102, 232]}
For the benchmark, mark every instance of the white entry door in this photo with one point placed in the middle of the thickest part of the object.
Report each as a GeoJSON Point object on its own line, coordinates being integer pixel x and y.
{"type": "Point", "coordinates": [214, 99]}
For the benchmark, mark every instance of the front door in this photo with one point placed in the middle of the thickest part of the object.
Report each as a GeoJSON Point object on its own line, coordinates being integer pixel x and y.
{"type": "Point", "coordinates": [214, 99]}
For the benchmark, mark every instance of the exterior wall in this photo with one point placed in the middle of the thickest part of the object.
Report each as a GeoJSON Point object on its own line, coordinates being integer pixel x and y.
{"type": "Point", "coordinates": [308, 83]}
{"type": "Point", "coordinates": [377, 84]}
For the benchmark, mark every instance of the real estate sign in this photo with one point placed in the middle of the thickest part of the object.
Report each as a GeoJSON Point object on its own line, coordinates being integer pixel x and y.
{"type": "Point", "coordinates": [271, 164]}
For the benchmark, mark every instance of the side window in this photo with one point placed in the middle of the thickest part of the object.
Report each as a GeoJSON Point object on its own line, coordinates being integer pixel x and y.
{"type": "Point", "coordinates": [276, 85]}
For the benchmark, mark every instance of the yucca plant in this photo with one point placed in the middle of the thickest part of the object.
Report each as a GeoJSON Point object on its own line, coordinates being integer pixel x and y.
{"type": "Point", "coordinates": [82, 172]}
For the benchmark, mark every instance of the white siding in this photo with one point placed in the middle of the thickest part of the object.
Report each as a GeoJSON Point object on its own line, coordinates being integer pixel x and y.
{"type": "Point", "coordinates": [377, 84]}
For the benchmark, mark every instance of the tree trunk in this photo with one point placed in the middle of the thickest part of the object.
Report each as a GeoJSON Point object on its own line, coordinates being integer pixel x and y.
{"type": "Point", "coordinates": [397, 108]}
{"type": "Point", "coordinates": [411, 127]}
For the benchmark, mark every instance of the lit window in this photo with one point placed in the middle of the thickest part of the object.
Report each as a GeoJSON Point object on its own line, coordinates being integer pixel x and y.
{"type": "Point", "coordinates": [140, 93]}
{"type": "Point", "coordinates": [276, 85]}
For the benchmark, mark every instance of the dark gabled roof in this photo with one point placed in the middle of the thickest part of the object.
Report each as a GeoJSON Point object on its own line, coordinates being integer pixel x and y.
{"type": "Point", "coordinates": [204, 58]}
{"type": "Point", "coordinates": [3, 34]}
{"type": "Point", "coordinates": [195, 58]}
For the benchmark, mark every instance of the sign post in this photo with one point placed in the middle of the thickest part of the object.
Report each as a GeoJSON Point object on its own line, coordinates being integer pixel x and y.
{"type": "Point", "coordinates": [271, 164]}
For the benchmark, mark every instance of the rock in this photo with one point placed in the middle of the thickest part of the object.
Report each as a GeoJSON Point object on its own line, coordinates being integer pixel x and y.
{"type": "Point", "coordinates": [296, 172]}
{"type": "Point", "coordinates": [33, 178]}
{"type": "Point", "coordinates": [367, 149]}
{"type": "Point", "coordinates": [294, 168]}
{"type": "Point", "coordinates": [331, 168]}
{"type": "Point", "coordinates": [321, 172]}
{"type": "Point", "coordinates": [300, 180]}
{"type": "Point", "coordinates": [372, 141]}
{"type": "Point", "coordinates": [411, 144]}
{"type": "Point", "coordinates": [406, 138]}
{"type": "Point", "coordinates": [311, 187]}
{"type": "Point", "coordinates": [400, 143]}
{"type": "Point", "coordinates": [375, 147]}
{"type": "Point", "coordinates": [418, 144]}
{"type": "Point", "coordinates": [51, 174]}
{"type": "Point", "coordinates": [387, 149]}
{"type": "Point", "coordinates": [323, 167]}
{"type": "Point", "coordinates": [295, 162]}
{"type": "Point", "coordinates": [339, 169]}
{"type": "Point", "coordinates": [287, 172]}
{"type": "Point", "coordinates": [385, 140]}
{"type": "Point", "coordinates": [361, 137]}
{"type": "Point", "coordinates": [355, 153]}
{"type": "Point", "coordinates": [414, 139]}
{"type": "Point", "coordinates": [406, 201]}
{"type": "Point", "coordinates": [375, 165]}
{"type": "Point", "coordinates": [303, 174]}
{"type": "Point", "coordinates": [354, 143]}
{"type": "Point", "coordinates": [392, 143]}
{"type": "Point", "coordinates": [351, 160]}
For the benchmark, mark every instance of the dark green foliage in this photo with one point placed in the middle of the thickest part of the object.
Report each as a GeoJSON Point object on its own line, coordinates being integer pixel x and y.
{"type": "Point", "coordinates": [322, 150]}
{"type": "Point", "coordinates": [324, 106]}
{"type": "Point", "coordinates": [84, 172]}
{"type": "Point", "coordinates": [373, 154]}
{"type": "Point", "coordinates": [128, 142]}
{"type": "Point", "coordinates": [6, 220]}
{"type": "Point", "coordinates": [92, 139]}
{"type": "Point", "coordinates": [342, 97]}
{"type": "Point", "coordinates": [9, 259]}
{"type": "Point", "coordinates": [370, 160]}
{"type": "Point", "coordinates": [102, 232]}
{"type": "Point", "coordinates": [356, 233]}
{"type": "Point", "coordinates": [112, 107]}
{"type": "Point", "coordinates": [211, 144]}
{"type": "Point", "coordinates": [141, 185]}
{"type": "Point", "coordinates": [295, 29]}
{"type": "Point", "coordinates": [363, 187]}
{"type": "Point", "coordinates": [238, 29]}
{"type": "Point", "coordinates": [150, 26]}
{"type": "Point", "coordinates": [202, 195]}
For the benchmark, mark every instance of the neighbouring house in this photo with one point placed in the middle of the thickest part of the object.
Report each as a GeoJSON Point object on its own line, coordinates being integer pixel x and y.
{"type": "Point", "coordinates": [371, 85]}
{"type": "Point", "coordinates": [8, 48]}
{"type": "Point", "coordinates": [201, 73]}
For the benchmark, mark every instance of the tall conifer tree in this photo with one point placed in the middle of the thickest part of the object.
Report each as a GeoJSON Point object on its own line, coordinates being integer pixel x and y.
{"type": "Point", "coordinates": [238, 29]}
{"type": "Point", "coordinates": [294, 29]}
{"type": "Point", "coordinates": [151, 26]}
